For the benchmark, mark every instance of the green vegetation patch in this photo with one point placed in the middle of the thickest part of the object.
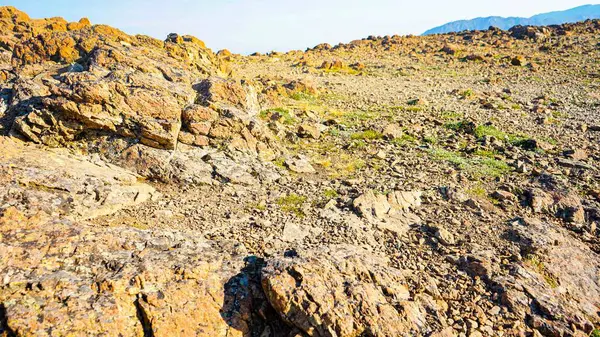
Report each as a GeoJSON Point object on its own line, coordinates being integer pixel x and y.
{"type": "Point", "coordinates": [456, 126]}
{"type": "Point", "coordinates": [488, 130]}
{"type": "Point", "coordinates": [467, 93]}
{"type": "Point", "coordinates": [366, 135]}
{"type": "Point", "coordinates": [286, 115]}
{"type": "Point", "coordinates": [405, 139]}
{"type": "Point", "coordinates": [451, 115]}
{"type": "Point", "coordinates": [492, 131]}
{"type": "Point", "coordinates": [303, 96]}
{"type": "Point", "coordinates": [478, 167]}
{"type": "Point", "coordinates": [535, 262]}
{"type": "Point", "coordinates": [330, 194]}
{"type": "Point", "coordinates": [292, 203]}
{"type": "Point", "coordinates": [356, 117]}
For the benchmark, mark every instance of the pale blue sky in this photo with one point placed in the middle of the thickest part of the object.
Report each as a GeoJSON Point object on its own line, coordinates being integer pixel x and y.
{"type": "Point", "coordinates": [246, 26]}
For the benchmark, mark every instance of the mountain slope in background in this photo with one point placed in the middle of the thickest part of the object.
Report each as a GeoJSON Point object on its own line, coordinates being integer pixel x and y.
{"type": "Point", "coordinates": [553, 18]}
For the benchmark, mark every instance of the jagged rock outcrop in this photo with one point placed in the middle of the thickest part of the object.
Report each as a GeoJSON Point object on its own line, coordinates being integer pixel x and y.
{"type": "Point", "coordinates": [99, 79]}
{"type": "Point", "coordinates": [128, 98]}
{"type": "Point", "coordinates": [560, 279]}
{"type": "Point", "coordinates": [227, 116]}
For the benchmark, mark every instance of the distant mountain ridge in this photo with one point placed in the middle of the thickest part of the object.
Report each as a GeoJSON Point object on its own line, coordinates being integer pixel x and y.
{"type": "Point", "coordinates": [580, 13]}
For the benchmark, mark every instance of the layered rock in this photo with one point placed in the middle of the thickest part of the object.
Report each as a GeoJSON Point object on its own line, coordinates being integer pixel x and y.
{"type": "Point", "coordinates": [131, 105]}
{"type": "Point", "coordinates": [62, 184]}
{"type": "Point", "coordinates": [561, 279]}
{"type": "Point", "coordinates": [227, 116]}
{"type": "Point", "coordinates": [97, 78]}
{"type": "Point", "coordinates": [129, 98]}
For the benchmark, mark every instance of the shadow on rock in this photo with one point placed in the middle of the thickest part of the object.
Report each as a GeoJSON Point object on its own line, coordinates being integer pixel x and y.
{"type": "Point", "coordinates": [5, 330]}
{"type": "Point", "coordinates": [245, 307]}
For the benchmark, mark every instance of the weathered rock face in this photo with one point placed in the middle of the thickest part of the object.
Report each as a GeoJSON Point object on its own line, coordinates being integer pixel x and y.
{"type": "Point", "coordinates": [341, 291]}
{"type": "Point", "coordinates": [73, 279]}
{"type": "Point", "coordinates": [221, 92]}
{"type": "Point", "coordinates": [137, 105]}
{"type": "Point", "coordinates": [556, 286]}
{"type": "Point", "coordinates": [54, 181]}
{"type": "Point", "coordinates": [561, 278]}
{"type": "Point", "coordinates": [16, 25]}
{"type": "Point", "coordinates": [565, 205]}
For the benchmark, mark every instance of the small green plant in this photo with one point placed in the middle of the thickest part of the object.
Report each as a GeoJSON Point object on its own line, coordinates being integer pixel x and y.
{"type": "Point", "coordinates": [334, 132]}
{"type": "Point", "coordinates": [449, 156]}
{"type": "Point", "coordinates": [477, 191]}
{"type": "Point", "coordinates": [492, 131]}
{"type": "Point", "coordinates": [355, 165]}
{"type": "Point", "coordinates": [430, 140]}
{"type": "Point", "coordinates": [489, 130]}
{"type": "Point", "coordinates": [413, 109]}
{"type": "Point", "coordinates": [404, 139]}
{"type": "Point", "coordinates": [559, 114]}
{"type": "Point", "coordinates": [279, 162]}
{"type": "Point", "coordinates": [286, 116]}
{"type": "Point", "coordinates": [477, 167]}
{"type": "Point", "coordinates": [302, 96]}
{"type": "Point", "coordinates": [595, 333]}
{"type": "Point", "coordinates": [485, 153]}
{"type": "Point", "coordinates": [451, 115]}
{"type": "Point", "coordinates": [330, 194]}
{"type": "Point", "coordinates": [494, 167]}
{"type": "Point", "coordinates": [467, 93]}
{"type": "Point", "coordinates": [292, 203]}
{"type": "Point", "coordinates": [139, 225]}
{"type": "Point", "coordinates": [456, 126]}
{"type": "Point", "coordinates": [358, 144]}
{"type": "Point", "coordinates": [366, 135]}
{"type": "Point", "coordinates": [356, 117]}
{"type": "Point", "coordinates": [549, 140]}
{"type": "Point", "coordinates": [537, 264]}
{"type": "Point", "coordinates": [257, 206]}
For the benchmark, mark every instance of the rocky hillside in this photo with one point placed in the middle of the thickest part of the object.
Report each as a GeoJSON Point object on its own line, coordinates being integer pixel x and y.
{"type": "Point", "coordinates": [581, 13]}
{"type": "Point", "coordinates": [436, 186]}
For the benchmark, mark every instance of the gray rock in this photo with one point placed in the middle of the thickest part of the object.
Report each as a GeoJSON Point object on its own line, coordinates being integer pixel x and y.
{"type": "Point", "coordinates": [444, 236]}
{"type": "Point", "coordinates": [293, 232]}
{"type": "Point", "coordinates": [299, 164]}
{"type": "Point", "coordinates": [232, 171]}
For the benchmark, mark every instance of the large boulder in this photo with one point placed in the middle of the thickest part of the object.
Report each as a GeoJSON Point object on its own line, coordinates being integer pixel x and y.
{"type": "Point", "coordinates": [134, 105]}
{"type": "Point", "coordinates": [341, 291]}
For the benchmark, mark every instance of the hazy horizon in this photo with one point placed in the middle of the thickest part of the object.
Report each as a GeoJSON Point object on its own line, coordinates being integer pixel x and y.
{"type": "Point", "coordinates": [264, 25]}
